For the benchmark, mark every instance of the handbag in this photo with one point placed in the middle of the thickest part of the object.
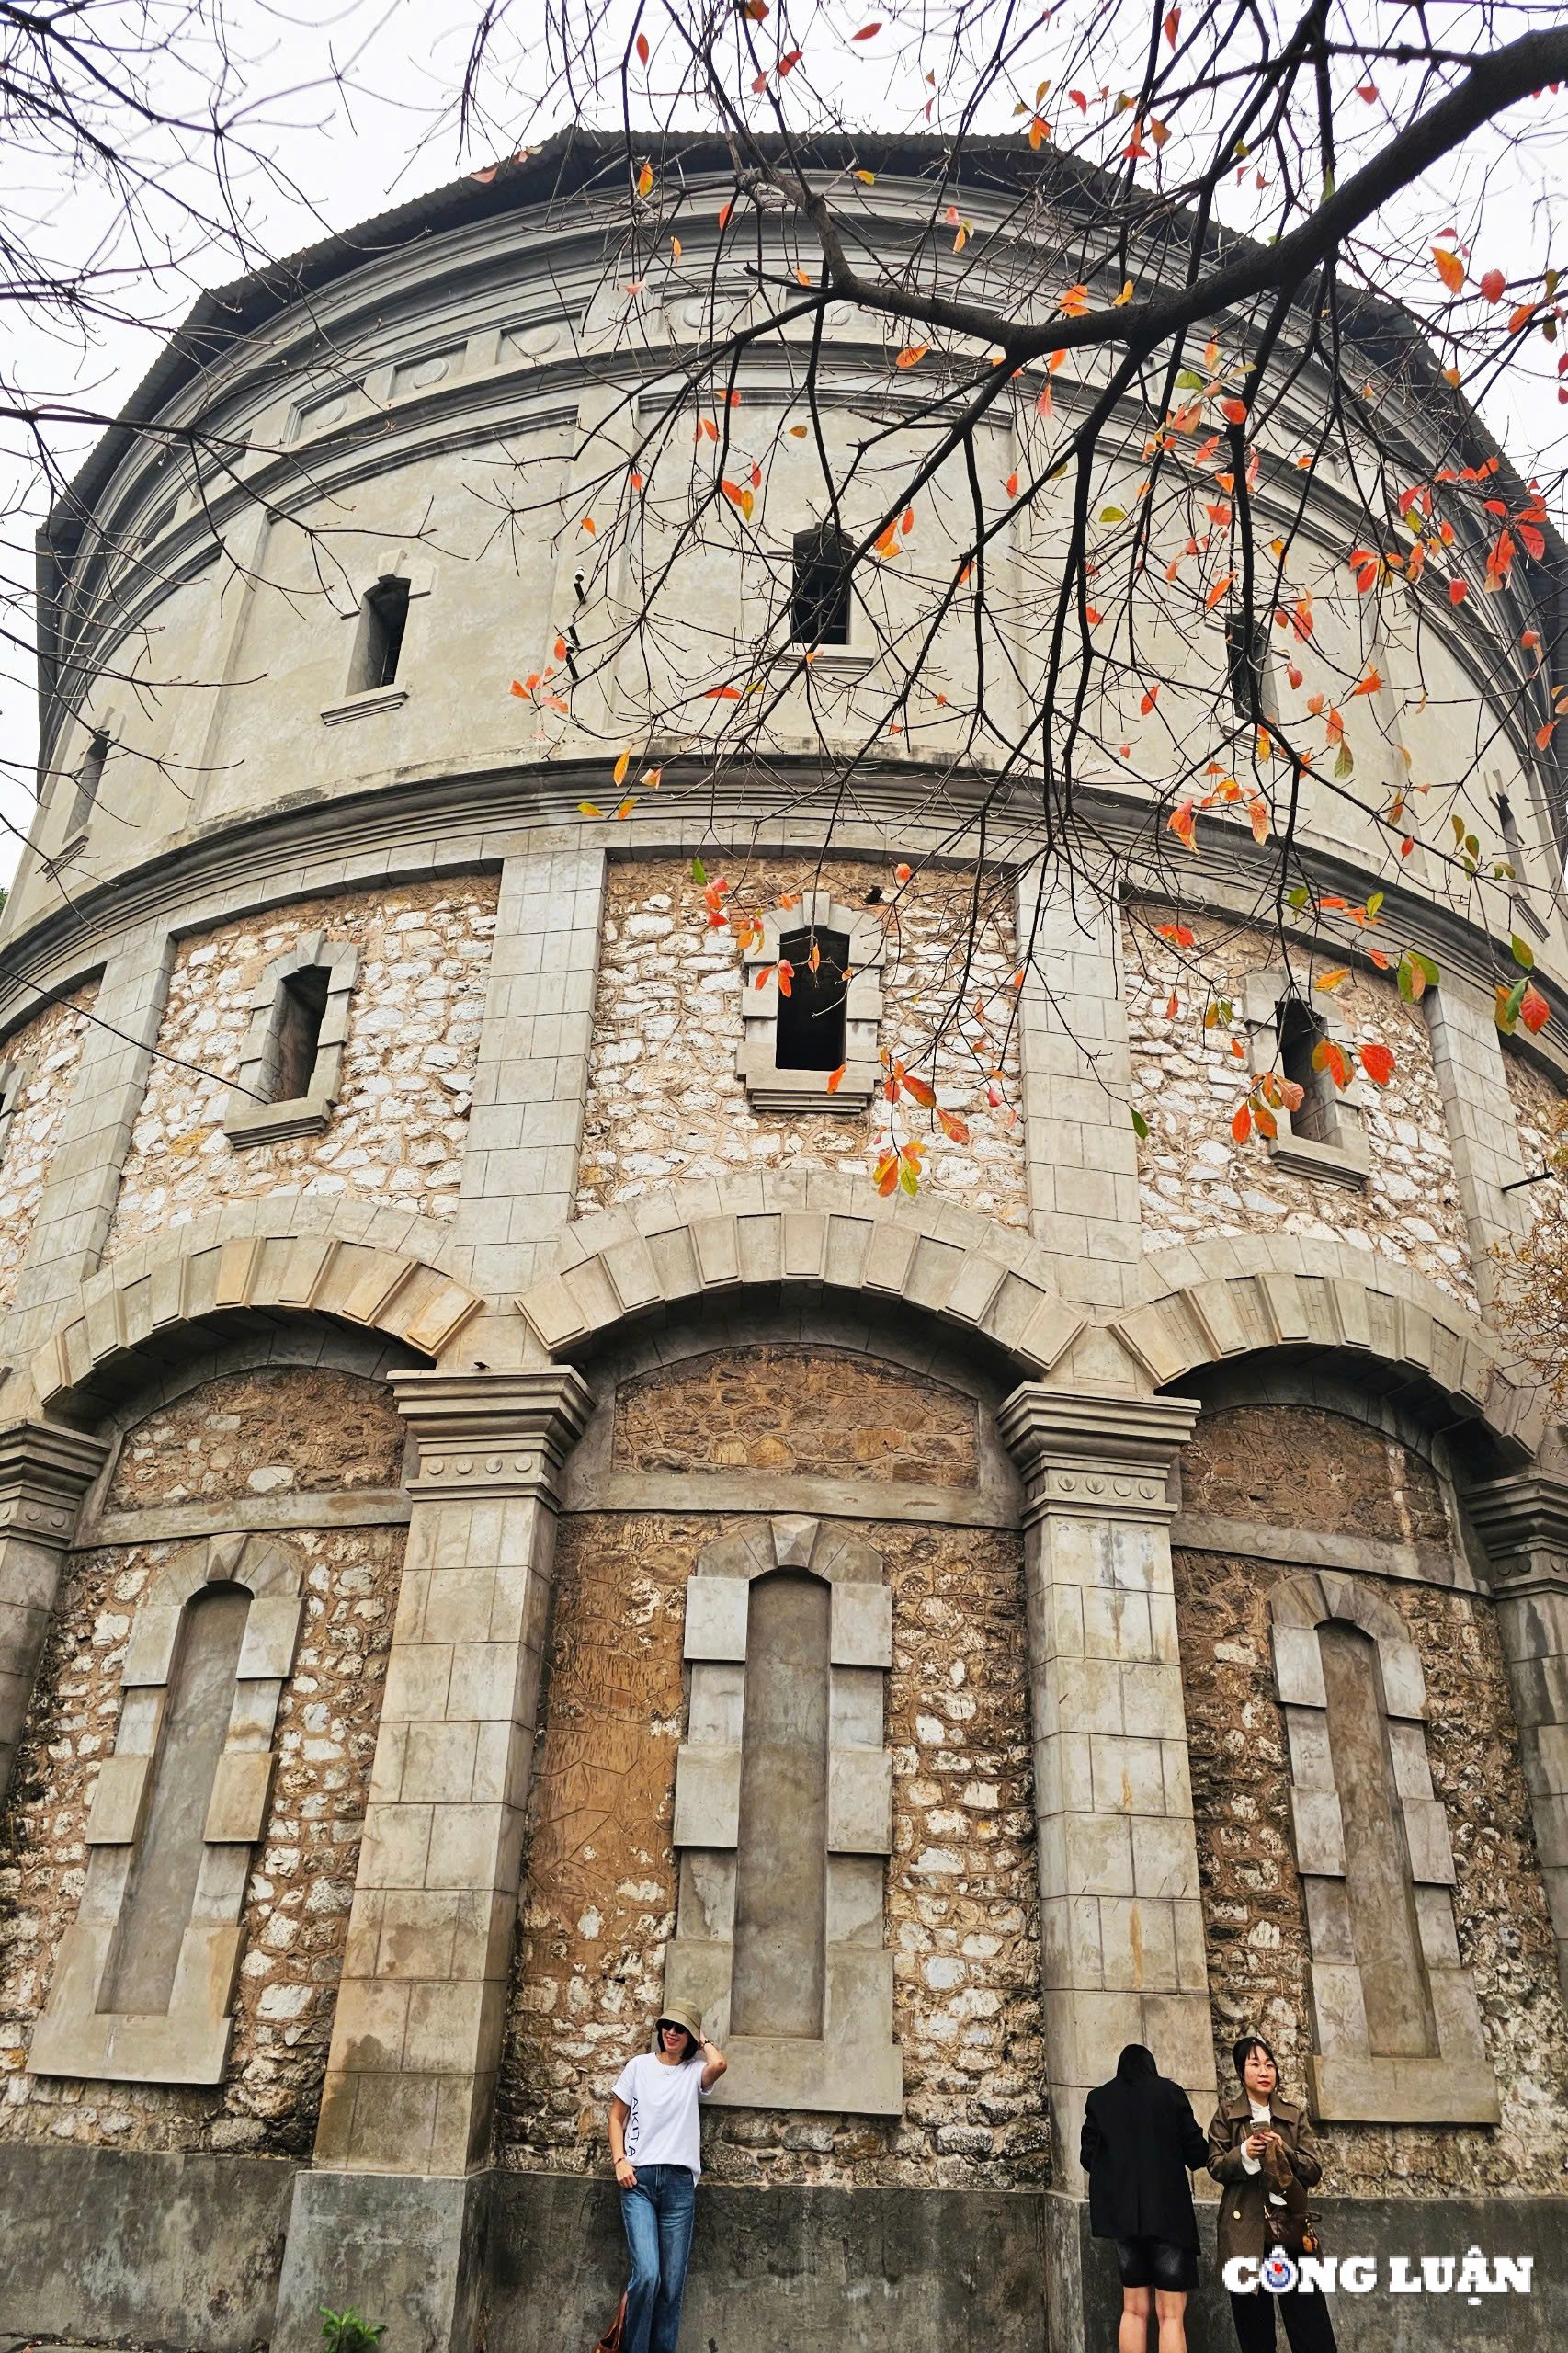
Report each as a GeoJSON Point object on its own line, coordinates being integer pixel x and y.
{"type": "Point", "coordinates": [1290, 2222]}
{"type": "Point", "coordinates": [610, 2341]}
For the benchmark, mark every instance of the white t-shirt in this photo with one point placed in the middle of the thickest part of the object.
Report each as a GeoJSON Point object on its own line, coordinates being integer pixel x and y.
{"type": "Point", "coordinates": [663, 2128]}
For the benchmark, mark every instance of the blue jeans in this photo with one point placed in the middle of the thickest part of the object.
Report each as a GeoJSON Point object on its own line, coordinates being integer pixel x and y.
{"type": "Point", "coordinates": [658, 2217]}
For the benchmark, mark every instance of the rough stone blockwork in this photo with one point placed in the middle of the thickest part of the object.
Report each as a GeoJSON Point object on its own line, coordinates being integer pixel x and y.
{"type": "Point", "coordinates": [1306, 1469]}
{"type": "Point", "coordinates": [48, 1051]}
{"type": "Point", "coordinates": [798, 1412]}
{"type": "Point", "coordinates": [663, 1100]}
{"type": "Point", "coordinates": [599, 1888]}
{"type": "Point", "coordinates": [1196, 1180]}
{"type": "Point", "coordinates": [250, 1433]}
{"type": "Point", "coordinates": [397, 1133]}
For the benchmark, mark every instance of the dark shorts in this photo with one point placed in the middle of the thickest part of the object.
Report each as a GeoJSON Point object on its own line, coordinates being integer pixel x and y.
{"type": "Point", "coordinates": [1157, 2263]}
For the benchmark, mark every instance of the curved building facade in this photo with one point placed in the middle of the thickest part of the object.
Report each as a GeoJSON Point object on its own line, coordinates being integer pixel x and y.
{"type": "Point", "coordinates": [501, 1525]}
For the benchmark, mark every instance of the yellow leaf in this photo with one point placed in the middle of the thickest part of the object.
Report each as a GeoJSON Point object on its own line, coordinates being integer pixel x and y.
{"type": "Point", "coordinates": [799, 432]}
{"type": "Point", "coordinates": [1125, 296]}
{"type": "Point", "coordinates": [622, 766]}
{"type": "Point", "coordinates": [675, 248]}
{"type": "Point", "coordinates": [1328, 980]}
{"type": "Point", "coordinates": [867, 179]}
{"type": "Point", "coordinates": [590, 809]}
{"type": "Point", "coordinates": [645, 180]}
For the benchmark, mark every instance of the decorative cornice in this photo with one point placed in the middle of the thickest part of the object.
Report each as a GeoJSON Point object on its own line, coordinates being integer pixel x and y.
{"type": "Point", "coordinates": [1523, 1523]}
{"type": "Point", "coordinates": [485, 1434]}
{"type": "Point", "coordinates": [44, 1472]}
{"type": "Point", "coordinates": [1094, 1457]}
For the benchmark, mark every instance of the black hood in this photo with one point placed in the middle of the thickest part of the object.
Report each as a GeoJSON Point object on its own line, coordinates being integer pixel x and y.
{"type": "Point", "coordinates": [1135, 2060]}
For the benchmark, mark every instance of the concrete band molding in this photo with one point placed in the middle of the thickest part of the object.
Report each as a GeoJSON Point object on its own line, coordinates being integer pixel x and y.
{"type": "Point", "coordinates": [79, 2034]}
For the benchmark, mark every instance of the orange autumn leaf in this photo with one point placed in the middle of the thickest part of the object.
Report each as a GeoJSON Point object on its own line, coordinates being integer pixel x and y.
{"type": "Point", "coordinates": [645, 180]}
{"type": "Point", "coordinates": [642, 48]}
{"type": "Point", "coordinates": [1369, 685]}
{"type": "Point", "coordinates": [1377, 1060]}
{"type": "Point", "coordinates": [836, 1078]}
{"type": "Point", "coordinates": [1450, 269]}
{"type": "Point", "coordinates": [786, 975]}
{"type": "Point", "coordinates": [1217, 591]}
{"type": "Point", "coordinates": [1328, 1056]}
{"type": "Point", "coordinates": [1179, 933]}
{"type": "Point", "coordinates": [1241, 1125]}
{"type": "Point", "coordinates": [953, 1128]}
{"type": "Point", "coordinates": [622, 766]}
{"type": "Point", "coordinates": [920, 1092]}
{"type": "Point", "coordinates": [1184, 826]}
{"type": "Point", "coordinates": [913, 354]}
{"type": "Point", "coordinates": [1534, 1010]}
{"type": "Point", "coordinates": [1329, 982]}
{"type": "Point", "coordinates": [1257, 816]}
{"type": "Point", "coordinates": [1150, 697]}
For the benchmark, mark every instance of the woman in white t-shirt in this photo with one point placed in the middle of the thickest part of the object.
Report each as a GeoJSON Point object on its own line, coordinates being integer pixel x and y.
{"type": "Point", "coordinates": [655, 2143]}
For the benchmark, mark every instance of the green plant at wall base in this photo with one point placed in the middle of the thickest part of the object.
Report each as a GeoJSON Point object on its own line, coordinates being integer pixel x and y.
{"type": "Point", "coordinates": [350, 2332]}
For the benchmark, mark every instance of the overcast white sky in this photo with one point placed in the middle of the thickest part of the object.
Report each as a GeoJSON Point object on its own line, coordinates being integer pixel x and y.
{"type": "Point", "coordinates": [350, 108]}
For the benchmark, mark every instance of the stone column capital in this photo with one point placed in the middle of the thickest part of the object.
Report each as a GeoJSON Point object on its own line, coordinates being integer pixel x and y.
{"type": "Point", "coordinates": [1523, 1523]}
{"type": "Point", "coordinates": [1094, 1457]}
{"type": "Point", "coordinates": [45, 1471]}
{"type": "Point", "coordinates": [504, 1433]}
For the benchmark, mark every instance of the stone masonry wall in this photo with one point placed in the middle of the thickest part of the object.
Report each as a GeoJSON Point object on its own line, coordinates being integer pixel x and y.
{"type": "Point", "coordinates": [663, 1100]}
{"type": "Point", "coordinates": [816, 1412]}
{"type": "Point", "coordinates": [51, 1043]}
{"type": "Point", "coordinates": [599, 1889]}
{"type": "Point", "coordinates": [1319, 1471]}
{"type": "Point", "coordinates": [397, 1133]}
{"type": "Point", "coordinates": [1197, 1183]}
{"type": "Point", "coordinates": [328, 1427]}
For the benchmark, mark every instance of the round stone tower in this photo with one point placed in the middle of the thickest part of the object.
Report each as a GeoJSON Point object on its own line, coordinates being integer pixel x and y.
{"type": "Point", "coordinates": [510, 1516]}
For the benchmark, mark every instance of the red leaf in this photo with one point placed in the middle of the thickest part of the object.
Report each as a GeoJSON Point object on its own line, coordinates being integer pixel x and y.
{"type": "Point", "coordinates": [1179, 933]}
{"type": "Point", "coordinates": [868, 32]}
{"type": "Point", "coordinates": [1492, 285]}
{"type": "Point", "coordinates": [1458, 592]}
{"type": "Point", "coordinates": [1234, 412]}
{"type": "Point", "coordinates": [1240, 1126]}
{"type": "Point", "coordinates": [836, 1078]}
{"type": "Point", "coordinates": [1535, 1012]}
{"type": "Point", "coordinates": [786, 976]}
{"type": "Point", "coordinates": [1377, 1060]}
{"type": "Point", "coordinates": [642, 48]}
{"type": "Point", "coordinates": [1147, 705]}
{"type": "Point", "coordinates": [1172, 26]}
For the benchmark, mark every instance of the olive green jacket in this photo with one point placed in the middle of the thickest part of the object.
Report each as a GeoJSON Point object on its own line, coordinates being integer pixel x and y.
{"type": "Point", "coordinates": [1241, 2219]}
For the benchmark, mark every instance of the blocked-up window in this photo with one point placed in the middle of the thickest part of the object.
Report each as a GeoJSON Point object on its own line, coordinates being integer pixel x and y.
{"type": "Point", "coordinates": [89, 776]}
{"type": "Point", "coordinates": [784, 1819]}
{"type": "Point", "coordinates": [299, 1010]}
{"type": "Point", "coordinates": [1324, 1136]}
{"type": "Point", "coordinates": [145, 1974]}
{"type": "Point", "coordinates": [1301, 1034]}
{"type": "Point", "coordinates": [1396, 2026]}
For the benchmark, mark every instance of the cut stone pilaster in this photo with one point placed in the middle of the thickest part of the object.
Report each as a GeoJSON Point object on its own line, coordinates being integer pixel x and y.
{"type": "Point", "coordinates": [1082, 1155]}
{"type": "Point", "coordinates": [1523, 1522]}
{"type": "Point", "coordinates": [417, 2037]}
{"type": "Point", "coordinates": [44, 1473]}
{"type": "Point", "coordinates": [1467, 1055]}
{"type": "Point", "coordinates": [1121, 1926]}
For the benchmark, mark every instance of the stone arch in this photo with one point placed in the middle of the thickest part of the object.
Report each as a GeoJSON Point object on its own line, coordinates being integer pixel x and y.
{"type": "Point", "coordinates": [143, 1309]}
{"type": "Point", "coordinates": [1231, 1299]}
{"type": "Point", "coordinates": [821, 1233]}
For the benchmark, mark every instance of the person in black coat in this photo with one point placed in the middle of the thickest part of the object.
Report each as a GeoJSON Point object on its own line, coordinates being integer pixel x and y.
{"type": "Point", "coordinates": [1141, 2141]}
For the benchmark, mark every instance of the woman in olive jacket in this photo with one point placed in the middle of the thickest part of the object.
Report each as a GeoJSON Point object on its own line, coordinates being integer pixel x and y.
{"type": "Point", "coordinates": [1243, 2124]}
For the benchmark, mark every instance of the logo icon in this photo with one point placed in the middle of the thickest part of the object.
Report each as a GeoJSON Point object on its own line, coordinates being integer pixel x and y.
{"type": "Point", "coordinates": [1279, 2274]}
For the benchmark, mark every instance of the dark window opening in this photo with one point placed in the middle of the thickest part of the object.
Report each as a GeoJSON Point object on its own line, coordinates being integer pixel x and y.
{"type": "Point", "coordinates": [1300, 1034]}
{"type": "Point", "coordinates": [1246, 669]}
{"type": "Point", "coordinates": [811, 1017]}
{"type": "Point", "coordinates": [89, 776]}
{"type": "Point", "coordinates": [383, 617]}
{"type": "Point", "coordinates": [818, 599]}
{"type": "Point", "coordinates": [302, 1004]}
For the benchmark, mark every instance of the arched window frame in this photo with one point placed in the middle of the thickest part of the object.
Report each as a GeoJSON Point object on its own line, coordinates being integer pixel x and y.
{"type": "Point", "coordinates": [1350, 2083]}
{"type": "Point", "coordinates": [768, 1086]}
{"type": "Point", "coordinates": [189, 2044]}
{"type": "Point", "coordinates": [855, 2068]}
{"type": "Point", "coordinates": [247, 1121]}
{"type": "Point", "coordinates": [1344, 1159]}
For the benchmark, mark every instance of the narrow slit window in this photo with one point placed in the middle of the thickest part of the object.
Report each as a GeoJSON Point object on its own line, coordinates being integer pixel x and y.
{"type": "Point", "coordinates": [1301, 1031]}
{"type": "Point", "coordinates": [89, 776]}
{"type": "Point", "coordinates": [383, 617]}
{"type": "Point", "coordinates": [819, 602]}
{"type": "Point", "coordinates": [1246, 669]}
{"type": "Point", "coordinates": [301, 1007]}
{"type": "Point", "coordinates": [812, 1018]}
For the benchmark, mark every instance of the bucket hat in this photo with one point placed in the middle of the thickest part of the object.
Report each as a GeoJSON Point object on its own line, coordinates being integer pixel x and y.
{"type": "Point", "coordinates": [679, 2014]}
